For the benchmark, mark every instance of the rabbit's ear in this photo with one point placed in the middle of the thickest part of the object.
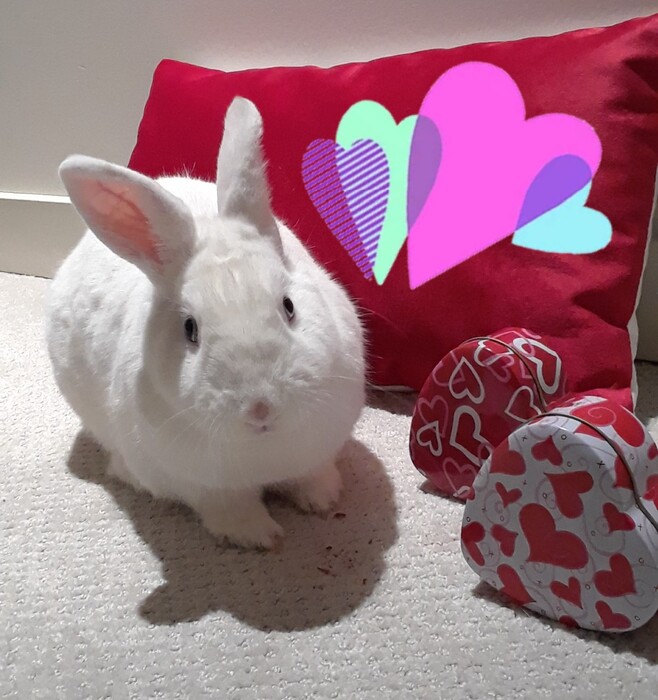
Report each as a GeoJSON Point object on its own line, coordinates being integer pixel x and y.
{"type": "Point", "coordinates": [132, 214]}
{"type": "Point", "coordinates": [242, 188]}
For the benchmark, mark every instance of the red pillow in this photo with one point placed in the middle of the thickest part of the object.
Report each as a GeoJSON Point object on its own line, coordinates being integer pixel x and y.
{"type": "Point", "coordinates": [581, 304]}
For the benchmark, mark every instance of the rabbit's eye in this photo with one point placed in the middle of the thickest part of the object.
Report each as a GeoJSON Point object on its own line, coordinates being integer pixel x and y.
{"type": "Point", "coordinates": [191, 330]}
{"type": "Point", "coordinates": [289, 308]}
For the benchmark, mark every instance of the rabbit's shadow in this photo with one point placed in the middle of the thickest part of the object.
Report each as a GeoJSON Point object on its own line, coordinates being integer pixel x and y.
{"type": "Point", "coordinates": [325, 570]}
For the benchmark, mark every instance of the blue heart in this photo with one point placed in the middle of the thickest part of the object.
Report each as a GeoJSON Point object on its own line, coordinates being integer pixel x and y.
{"type": "Point", "coordinates": [555, 183]}
{"type": "Point", "coordinates": [570, 227]}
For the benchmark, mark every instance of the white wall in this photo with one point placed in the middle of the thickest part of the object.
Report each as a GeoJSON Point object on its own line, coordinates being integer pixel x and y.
{"type": "Point", "coordinates": [74, 74]}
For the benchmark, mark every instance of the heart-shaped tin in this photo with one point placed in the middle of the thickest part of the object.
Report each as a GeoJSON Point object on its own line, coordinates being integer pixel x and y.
{"type": "Point", "coordinates": [474, 398]}
{"type": "Point", "coordinates": [563, 517]}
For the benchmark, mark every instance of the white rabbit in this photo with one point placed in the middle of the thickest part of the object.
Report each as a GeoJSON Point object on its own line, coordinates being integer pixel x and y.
{"type": "Point", "coordinates": [201, 344]}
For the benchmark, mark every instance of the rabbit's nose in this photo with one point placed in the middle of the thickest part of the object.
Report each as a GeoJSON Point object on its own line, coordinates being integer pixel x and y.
{"type": "Point", "coordinates": [259, 414]}
{"type": "Point", "coordinates": [259, 411]}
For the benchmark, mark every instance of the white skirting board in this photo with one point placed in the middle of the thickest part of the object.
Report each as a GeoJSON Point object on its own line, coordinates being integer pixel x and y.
{"type": "Point", "coordinates": [36, 233]}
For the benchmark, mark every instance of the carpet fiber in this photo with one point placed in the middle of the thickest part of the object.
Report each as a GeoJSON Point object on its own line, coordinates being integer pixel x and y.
{"type": "Point", "coordinates": [105, 593]}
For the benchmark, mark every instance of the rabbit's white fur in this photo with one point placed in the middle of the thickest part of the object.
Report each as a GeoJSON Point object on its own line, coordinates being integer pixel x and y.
{"type": "Point", "coordinates": [177, 417]}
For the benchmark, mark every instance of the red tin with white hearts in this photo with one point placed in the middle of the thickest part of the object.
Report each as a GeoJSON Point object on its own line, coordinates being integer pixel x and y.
{"type": "Point", "coordinates": [564, 517]}
{"type": "Point", "coordinates": [474, 398]}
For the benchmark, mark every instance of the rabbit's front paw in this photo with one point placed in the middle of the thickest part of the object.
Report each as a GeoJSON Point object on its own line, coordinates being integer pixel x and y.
{"type": "Point", "coordinates": [319, 491]}
{"type": "Point", "coordinates": [243, 520]}
{"type": "Point", "coordinates": [117, 469]}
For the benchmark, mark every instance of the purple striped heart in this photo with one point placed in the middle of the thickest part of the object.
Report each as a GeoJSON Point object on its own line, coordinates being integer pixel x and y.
{"type": "Point", "coordinates": [349, 188]}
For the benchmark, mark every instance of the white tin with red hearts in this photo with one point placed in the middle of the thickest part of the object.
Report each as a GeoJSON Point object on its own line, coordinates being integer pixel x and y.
{"type": "Point", "coordinates": [563, 517]}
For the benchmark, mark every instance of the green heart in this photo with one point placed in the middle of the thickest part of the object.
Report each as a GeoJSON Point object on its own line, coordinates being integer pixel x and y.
{"type": "Point", "coordinates": [369, 120]}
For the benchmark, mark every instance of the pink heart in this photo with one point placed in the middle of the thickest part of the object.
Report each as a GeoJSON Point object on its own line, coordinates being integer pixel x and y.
{"type": "Point", "coordinates": [490, 157]}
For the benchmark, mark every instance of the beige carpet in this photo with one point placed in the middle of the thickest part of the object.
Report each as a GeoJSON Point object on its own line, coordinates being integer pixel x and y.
{"type": "Point", "coordinates": [105, 593]}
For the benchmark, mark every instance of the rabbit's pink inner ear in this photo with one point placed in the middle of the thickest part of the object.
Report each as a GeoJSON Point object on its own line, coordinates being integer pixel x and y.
{"type": "Point", "coordinates": [117, 218]}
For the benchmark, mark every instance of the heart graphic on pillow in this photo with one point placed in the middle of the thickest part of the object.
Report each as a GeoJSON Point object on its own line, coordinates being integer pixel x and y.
{"type": "Point", "coordinates": [498, 171]}
{"type": "Point", "coordinates": [569, 228]}
{"type": "Point", "coordinates": [370, 120]}
{"type": "Point", "coordinates": [466, 172]}
{"type": "Point", "coordinates": [555, 184]}
{"type": "Point", "coordinates": [349, 188]}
